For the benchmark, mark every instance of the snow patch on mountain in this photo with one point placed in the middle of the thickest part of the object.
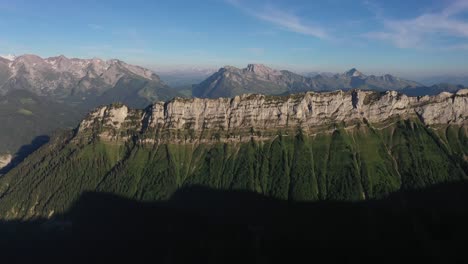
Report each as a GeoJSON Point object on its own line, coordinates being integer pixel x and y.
{"type": "Point", "coordinates": [9, 57]}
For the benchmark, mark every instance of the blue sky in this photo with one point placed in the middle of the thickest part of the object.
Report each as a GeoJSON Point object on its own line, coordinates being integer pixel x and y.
{"type": "Point", "coordinates": [400, 37]}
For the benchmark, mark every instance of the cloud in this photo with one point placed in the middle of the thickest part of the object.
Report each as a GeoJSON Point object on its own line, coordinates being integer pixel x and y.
{"type": "Point", "coordinates": [429, 29]}
{"type": "Point", "coordinates": [456, 7]}
{"type": "Point", "coordinates": [281, 19]}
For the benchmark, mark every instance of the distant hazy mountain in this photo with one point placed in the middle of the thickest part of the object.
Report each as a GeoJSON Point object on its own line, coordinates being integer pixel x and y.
{"type": "Point", "coordinates": [184, 77]}
{"type": "Point", "coordinates": [257, 78]}
{"type": "Point", "coordinates": [432, 90]}
{"type": "Point", "coordinates": [315, 73]}
{"type": "Point", "coordinates": [82, 81]}
{"type": "Point", "coordinates": [461, 79]}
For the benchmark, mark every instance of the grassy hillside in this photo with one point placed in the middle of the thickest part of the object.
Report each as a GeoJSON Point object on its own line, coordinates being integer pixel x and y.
{"type": "Point", "coordinates": [363, 162]}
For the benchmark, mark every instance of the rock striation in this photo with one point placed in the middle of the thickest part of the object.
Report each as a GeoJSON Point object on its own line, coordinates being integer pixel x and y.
{"type": "Point", "coordinates": [307, 111]}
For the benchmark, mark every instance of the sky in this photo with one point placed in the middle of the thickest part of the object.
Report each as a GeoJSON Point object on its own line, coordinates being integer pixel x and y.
{"type": "Point", "coordinates": [409, 38]}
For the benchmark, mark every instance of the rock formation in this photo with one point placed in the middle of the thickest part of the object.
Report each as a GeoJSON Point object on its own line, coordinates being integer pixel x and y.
{"type": "Point", "coordinates": [307, 111]}
{"type": "Point", "coordinates": [5, 160]}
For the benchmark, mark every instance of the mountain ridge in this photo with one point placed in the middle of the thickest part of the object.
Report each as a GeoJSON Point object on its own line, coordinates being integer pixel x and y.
{"type": "Point", "coordinates": [350, 146]}
{"type": "Point", "coordinates": [261, 112]}
{"type": "Point", "coordinates": [75, 79]}
{"type": "Point", "coordinates": [258, 78]}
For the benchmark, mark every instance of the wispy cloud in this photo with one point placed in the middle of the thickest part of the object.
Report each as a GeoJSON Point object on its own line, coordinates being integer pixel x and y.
{"type": "Point", "coordinates": [281, 19]}
{"type": "Point", "coordinates": [428, 29]}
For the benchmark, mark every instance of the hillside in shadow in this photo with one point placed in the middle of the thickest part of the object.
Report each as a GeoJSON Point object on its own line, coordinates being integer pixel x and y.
{"type": "Point", "coordinates": [212, 226]}
{"type": "Point", "coordinates": [25, 151]}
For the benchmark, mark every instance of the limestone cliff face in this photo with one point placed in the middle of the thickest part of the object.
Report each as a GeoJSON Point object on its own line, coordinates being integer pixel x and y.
{"type": "Point", "coordinates": [308, 111]}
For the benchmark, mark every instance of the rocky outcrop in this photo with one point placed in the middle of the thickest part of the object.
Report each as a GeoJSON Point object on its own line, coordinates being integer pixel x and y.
{"type": "Point", "coordinates": [5, 160]}
{"type": "Point", "coordinates": [307, 111]}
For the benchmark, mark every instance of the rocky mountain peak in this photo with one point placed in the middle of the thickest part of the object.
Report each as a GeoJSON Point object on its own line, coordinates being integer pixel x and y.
{"type": "Point", "coordinates": [9, 57]}
{"type": "Point", "coordinates": [28, 58]}
{"type": "Point", "coordinates": [228, 68]}
{"type": "Point", "coordinates": [261, 70]}
{"type": "Point", "coordinates": [56, 58]}
{"type": "Point", "coordinates": [354, 73]}
{"type": "Point", "coordinates": [390, 78]}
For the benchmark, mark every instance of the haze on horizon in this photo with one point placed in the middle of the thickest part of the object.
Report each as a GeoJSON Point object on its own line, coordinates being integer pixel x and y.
{"type": "Point", "coordinates": [407, 38]}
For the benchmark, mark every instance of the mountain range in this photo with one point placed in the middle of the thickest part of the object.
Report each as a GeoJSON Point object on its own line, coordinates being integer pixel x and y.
{"type": "Point", "coordinates": [343, 171]}
{"type": "Point", "coordinates": [39, 95]}
{"type": "Point", "coordinates": [82, 81]}
{"type": "Point", "coordinates": [258, 78]}
{"type": "Point", "coordinates": [183, 76]}
{"type": "Point", "coordinates": [460, 79]}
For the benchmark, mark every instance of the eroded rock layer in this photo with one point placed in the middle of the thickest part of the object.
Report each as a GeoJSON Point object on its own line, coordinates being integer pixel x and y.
{"type": "Point", "coordinates": [307, 111]}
